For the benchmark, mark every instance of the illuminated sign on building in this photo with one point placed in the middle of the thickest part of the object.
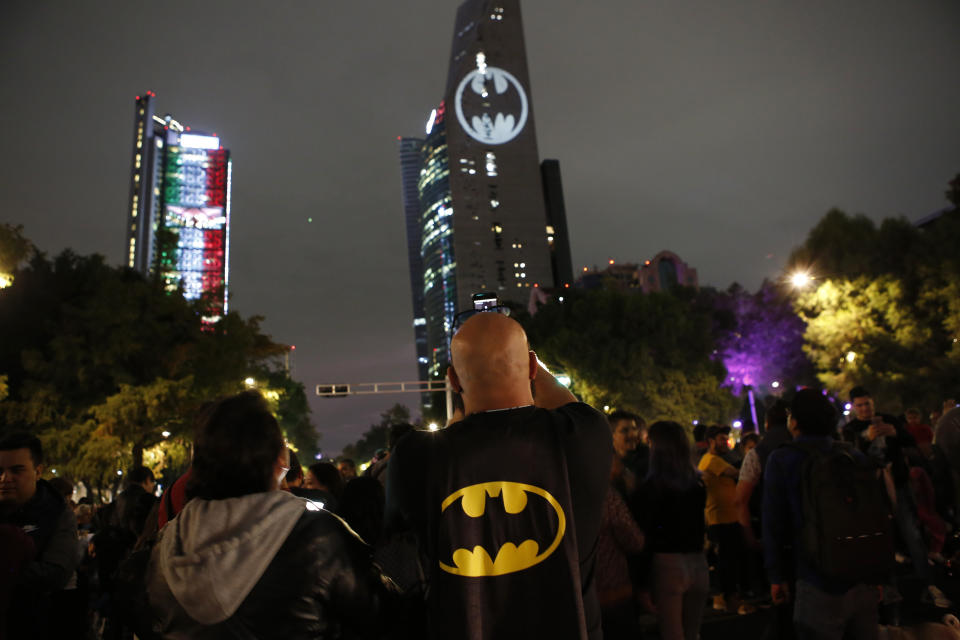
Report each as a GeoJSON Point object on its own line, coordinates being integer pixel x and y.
{"type": "Point", "coordinates": [195, 218]}
{"type": "Point", "coordinates": [491, 105]}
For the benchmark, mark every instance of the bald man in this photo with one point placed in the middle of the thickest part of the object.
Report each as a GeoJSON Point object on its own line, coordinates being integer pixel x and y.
{"type": "Point", "coordinates": [505, 503]}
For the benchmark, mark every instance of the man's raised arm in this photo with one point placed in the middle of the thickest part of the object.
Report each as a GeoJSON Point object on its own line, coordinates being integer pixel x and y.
{"type": "Point", "coordinates": [547, 392]}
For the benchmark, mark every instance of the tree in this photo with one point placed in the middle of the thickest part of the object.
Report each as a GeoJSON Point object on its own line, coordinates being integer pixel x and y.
{"type": "Point", "coordinates": [14, 249]}
{"type": "Point", "coordinates": [378, 435]}
{"type": "Point", "coordinates": [649, 353]}
{"type": "Point", "coordinates": [105, 362]}
{"type": "Point", "coordinates": [764, 343]}
{"type": "Point", "coordinates": [863, 332]}
{"type": "Point", "coordinates": [886, 311]}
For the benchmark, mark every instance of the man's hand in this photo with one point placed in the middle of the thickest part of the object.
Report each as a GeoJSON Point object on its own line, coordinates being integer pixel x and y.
{"type": "Point", "coordinates": [548, 393]}
{"type": "Point", "coordinates": [780, 593]}
{"type": "Point", "coordinates": [880, 430]}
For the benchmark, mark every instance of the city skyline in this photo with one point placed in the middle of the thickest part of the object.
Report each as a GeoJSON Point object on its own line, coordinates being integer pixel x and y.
{"type": "Point", "coordinates": [721, 133]}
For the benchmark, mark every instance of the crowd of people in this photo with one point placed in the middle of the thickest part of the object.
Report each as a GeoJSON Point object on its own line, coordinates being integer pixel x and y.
{"type": "Point", "coordinates": [531, 515]}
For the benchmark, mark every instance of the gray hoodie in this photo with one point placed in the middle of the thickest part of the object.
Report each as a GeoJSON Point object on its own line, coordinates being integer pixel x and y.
{"type": "Point", "coordinates": [215, 551]}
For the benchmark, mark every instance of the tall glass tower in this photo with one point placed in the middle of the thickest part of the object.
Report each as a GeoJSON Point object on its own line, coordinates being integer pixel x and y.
{"type": "Point", "coordinates": [178, 224]}
{"type": "Point", "coordinates": [483, 219]}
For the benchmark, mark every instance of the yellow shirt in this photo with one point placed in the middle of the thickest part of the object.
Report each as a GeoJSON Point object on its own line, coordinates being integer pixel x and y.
{"type": "Point", "coordinates": [721, 490]}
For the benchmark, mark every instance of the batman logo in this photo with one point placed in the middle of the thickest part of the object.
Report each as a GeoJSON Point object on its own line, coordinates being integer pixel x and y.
{"type": "Point", "coordinates": [491, 105]}
{"type": "Point", "coordinates": [517, 528]}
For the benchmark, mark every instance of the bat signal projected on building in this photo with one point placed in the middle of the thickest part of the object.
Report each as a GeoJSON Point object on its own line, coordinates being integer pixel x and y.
{"type": "Point", "coordinates": [491, 105]}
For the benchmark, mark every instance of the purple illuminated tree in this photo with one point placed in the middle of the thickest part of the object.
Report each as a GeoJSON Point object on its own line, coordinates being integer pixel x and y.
{"type": "Point", "coordinates": [765, 343]}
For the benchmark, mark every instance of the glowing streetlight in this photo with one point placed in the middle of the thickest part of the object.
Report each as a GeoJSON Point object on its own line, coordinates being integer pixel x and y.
{"type": "Point", "coordinates": [250, 382]}
{"type": "Point", "coordinates": [800, 279]}
{"type": "Point", "coordinates": [775, 384]}
{"type": "Point", "coordinates": [165, 434]}
{"type": "Point", "coordinates": [433, 426]}
{"type": "Point", "coordinates": [851, 356]}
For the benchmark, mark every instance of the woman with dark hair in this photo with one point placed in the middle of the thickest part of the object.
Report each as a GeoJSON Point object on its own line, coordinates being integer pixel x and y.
{"type": "Point", "coordinates": [244, 559]}
{"type": "Point", "coordinates": [670, 502]}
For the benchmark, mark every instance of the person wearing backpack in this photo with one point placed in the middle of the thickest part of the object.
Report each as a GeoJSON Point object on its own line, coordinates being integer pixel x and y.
{"type": "Point", "coordinates": [825, 524]}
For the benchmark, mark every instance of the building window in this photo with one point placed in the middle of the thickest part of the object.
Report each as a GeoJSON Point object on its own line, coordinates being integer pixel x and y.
{"type": "Point", "coordinates": [491, 164]}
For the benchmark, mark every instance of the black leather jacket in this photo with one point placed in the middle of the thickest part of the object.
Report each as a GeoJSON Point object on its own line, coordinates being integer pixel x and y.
{"type": "Point", "coordinates": [320, 584]}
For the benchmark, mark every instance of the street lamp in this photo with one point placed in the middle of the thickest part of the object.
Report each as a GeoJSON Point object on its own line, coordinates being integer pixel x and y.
{"type": "Point", "coordinates": [800, 279]}
{"type": "Point", "coordinates": [250, 382]}
{"type": "Point", "coordinates": [433, 426]}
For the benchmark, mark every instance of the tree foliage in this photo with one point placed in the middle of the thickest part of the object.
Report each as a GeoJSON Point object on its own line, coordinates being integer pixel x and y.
{"type": "Point", "coordinates": [14, 249]}
{"type": "Point", "coordinates": [889, 295]}
{"type": "Point", "coordinates": [762, 342]}
{"type": "Point", "coordinates": [101, 362]}
{"type": "Point", "coordinates": [648, 353]}
{"type": "Point", "coordinates": [378, 435]}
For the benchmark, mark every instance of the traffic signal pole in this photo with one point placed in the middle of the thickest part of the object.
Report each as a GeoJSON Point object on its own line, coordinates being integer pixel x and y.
{"type": "Point", "coordinates": [378, 388]}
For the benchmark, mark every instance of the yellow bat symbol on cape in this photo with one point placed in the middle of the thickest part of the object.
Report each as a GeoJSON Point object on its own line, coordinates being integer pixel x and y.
{"type": "Point", "coordinates": [510, 557]}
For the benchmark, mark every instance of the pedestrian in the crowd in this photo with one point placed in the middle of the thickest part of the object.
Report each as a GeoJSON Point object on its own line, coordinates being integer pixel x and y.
{"type": "Point", "coordinates": [122, 521]}
{"type": "Point", "coordinates": [807, 489]}
{"type": "Point", "coordinates": [294, 477]}
{"type": "Point", "coordinates": [723, 527]}
{"type": "Point", "coordinates": [947, 441]}
{"type": "Point", "coordinates": [620, 538]}
{"type": "Point", "coordinates": [378, 468]}
{"type": "Point", "coordinates": [135, 501]}
{"type": "Point", "coordinates": [361, 505]}
{"type": "Point", "coordinates": [322, 484]}
{"type": "Point", "coordinates": [671, 500]}
{"type": "Point", "coordinates": [506, 503]}
{"type": "Point", "coordinates": [626, 438]}
{"type": "Point", "coordinates": [29, 504]}
{"type": "Point", "coordinates": [922, 432]}
{"type": "Point", "coordinates": [749, 507]}
{"type": "Point", "coordinates": [748, 442]}
{"type": "Point", "coordinates": [347, 468]}
{"type": "Point", "coordinates": [883, 438]}
{"type": "Point", "coordinates": [750, 477]}
{"type": "Point", "coordinates": [700, 445]}
{"type": "Point", "coordinates": [245, 559]}
{"type": "Point", "coordinates": [173, 499]}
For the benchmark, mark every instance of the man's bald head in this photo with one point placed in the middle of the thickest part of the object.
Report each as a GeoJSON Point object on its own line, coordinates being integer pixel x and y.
{"type": "Point", "coordinates": [491, 358]}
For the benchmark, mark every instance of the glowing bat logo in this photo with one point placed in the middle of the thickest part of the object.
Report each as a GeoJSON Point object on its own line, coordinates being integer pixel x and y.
{"type": "Point", "coordinates": [491, 105]}
{"type": "Point", "coordinates": [511, 533]}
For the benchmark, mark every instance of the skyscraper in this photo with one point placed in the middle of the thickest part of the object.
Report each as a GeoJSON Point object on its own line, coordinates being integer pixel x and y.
{"type": "Point", "coordinates": [410, 174]}
{"type": "Point", "coordinates": [483, 220]}
{"type": "Point", "coordinates": [178, 225]}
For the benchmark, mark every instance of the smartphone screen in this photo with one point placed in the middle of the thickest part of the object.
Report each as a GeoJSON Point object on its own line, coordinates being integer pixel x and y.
{"type": "Point", "coordinates": [485, 301]}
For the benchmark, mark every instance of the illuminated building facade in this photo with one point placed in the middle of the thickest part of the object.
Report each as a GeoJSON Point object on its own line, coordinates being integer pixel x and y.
{"type": "Point", "coordinates": [410, 178]}
{"type": "Point", "coordinates": [178, 224]}
{"type": "Point", "coordinates": [484, 218]}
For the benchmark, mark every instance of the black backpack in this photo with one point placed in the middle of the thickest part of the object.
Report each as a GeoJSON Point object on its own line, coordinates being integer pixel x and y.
{"type": "Point", "coordinates": [846, 534]}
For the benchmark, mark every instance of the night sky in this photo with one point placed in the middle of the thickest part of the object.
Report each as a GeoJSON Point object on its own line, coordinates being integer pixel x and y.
{"type": "Point", "coordinates": [722, 131]}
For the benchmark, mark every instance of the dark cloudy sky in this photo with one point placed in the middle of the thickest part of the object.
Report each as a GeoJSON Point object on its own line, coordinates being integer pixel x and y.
{"type": "Point", "coordinates": [720, 130]}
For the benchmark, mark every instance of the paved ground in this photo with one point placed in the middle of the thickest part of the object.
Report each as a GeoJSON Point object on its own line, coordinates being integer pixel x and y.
{"type": "Point", "coordinates": [724, 626]}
